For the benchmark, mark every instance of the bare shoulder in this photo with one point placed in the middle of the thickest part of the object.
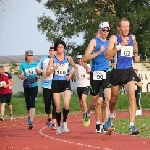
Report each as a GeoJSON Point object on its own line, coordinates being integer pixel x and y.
{"type": "Point", "coordinates": [133, 38]}
{"type": "Point", "coordinates": [91, 46]}
{"type": "Point", "coordinates": [69, 57]}
{"type": "Point", "coordinates": [113, 38]}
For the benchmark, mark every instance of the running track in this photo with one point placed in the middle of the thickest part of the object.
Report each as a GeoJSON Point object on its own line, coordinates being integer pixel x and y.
{"type": "Point", "coordinates": [14, 135]}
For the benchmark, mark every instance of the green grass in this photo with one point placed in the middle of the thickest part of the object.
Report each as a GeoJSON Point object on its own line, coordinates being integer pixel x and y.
{"type": "Point", "coordinates": [142, 122]}
{"type": "Point", "coordinates": [19, 108]}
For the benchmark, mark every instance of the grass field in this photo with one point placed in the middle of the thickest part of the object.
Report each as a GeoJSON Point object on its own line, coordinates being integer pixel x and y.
{"type": "Point", "coordinates": [19, 108]}
{"type": "Point", "coordinates": [142, 122]}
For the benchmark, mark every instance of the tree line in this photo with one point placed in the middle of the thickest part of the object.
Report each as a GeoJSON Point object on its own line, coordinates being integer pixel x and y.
{"type": "Point", "coordinates": [73, 17]}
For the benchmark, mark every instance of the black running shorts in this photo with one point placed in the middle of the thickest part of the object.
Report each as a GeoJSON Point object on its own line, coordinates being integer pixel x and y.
{"type": "Point", "coordinates": [121, 76]}
{"type": "Point", "coordinates": [82, 90]}
{"type": "Point", "coordinates": [96, 84]}
{"type": "Point", "coordinates": [6, 98]}
{"type": "Point", "coordinates": [59, 86]}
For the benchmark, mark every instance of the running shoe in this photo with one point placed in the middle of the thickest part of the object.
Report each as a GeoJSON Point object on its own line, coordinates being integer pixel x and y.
{"type": "Point", "coordinates": [64, 127]}
{"type": "Point", "coordinates": [30, 125]}
{"type": "Point", "coordinates": [86, 120]}
{"type": "Point", "coordinates": [133, 130]}
{"type": "Point", "coordinates": [59, 130]}
{"type": "Point", "coordinates": [99, 128]}
{"type": "Point", "coordinates": [10, 117]}
{"type": "Point", "coordinates": [53, 126]}
{"type": "Point", "coordinates": [1, 118]}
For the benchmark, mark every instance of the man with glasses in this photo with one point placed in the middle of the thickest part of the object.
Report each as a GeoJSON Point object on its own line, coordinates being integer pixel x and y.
{"type": "Point", "coordinates": [122, 46]}
{"type": "Point", "coordinates": [99, 72]}
{"type": "Point", "coordinates": [47, 91]}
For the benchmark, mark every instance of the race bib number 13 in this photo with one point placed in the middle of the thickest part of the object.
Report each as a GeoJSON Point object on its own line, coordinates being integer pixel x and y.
{"type": "Point", "coordinates": [127, 51]}
{"type": "Point", "coordinates": [99, 75]}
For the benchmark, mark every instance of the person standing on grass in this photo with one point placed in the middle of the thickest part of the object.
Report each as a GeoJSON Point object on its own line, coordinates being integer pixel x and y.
{"type": "Point", "coordinates": [27, 73]}
{"type": "Point", "coordinates": [83, 84]}
{"type": "Point", "coordinates": [138, 86]}
{"type": "Point", "coordinates": [99, 73]}
{"type": "Point", "coordinates": [59, 65]}
{"type": "Point", "coordinates": [47, 91]}
{"type": "Point", "coordinates": [122, 46]}
{"type": "Point", "coordinates": [6, 82]}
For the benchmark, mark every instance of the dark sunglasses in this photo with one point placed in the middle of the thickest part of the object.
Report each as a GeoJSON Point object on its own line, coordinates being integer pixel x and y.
{"type": "Point", "coordinates": [29, 55]}
{"type": "Point", "coordinates": [107, 30]}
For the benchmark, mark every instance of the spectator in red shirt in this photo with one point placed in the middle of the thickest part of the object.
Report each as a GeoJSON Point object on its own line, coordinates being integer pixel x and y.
{"type": "Point", "coordinates": [6, 82]}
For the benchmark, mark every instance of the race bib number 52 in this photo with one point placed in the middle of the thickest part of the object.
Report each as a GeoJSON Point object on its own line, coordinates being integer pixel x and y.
{"type": "Point", "coordinates": [99, 75]}
{"type": "Point", "coordinates": [127, 51]}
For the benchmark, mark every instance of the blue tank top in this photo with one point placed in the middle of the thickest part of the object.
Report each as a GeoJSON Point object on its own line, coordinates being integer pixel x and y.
{"type": "Point", "coordinates": [63, 70]}
{"type": "Point", "coordinates": [100, 63]}
{"type": "Point", "coordinates": [29, 71]}
{"type": "Point", "coordinates": [123, 58]}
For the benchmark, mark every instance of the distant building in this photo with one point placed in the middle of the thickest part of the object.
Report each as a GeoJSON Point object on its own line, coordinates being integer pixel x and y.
{"type": "Point", "coordinates": [7, 60]}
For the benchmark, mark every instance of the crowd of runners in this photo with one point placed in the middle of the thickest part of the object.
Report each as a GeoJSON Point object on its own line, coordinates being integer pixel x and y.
{"type": "Point", "coordinates": [110, 68]}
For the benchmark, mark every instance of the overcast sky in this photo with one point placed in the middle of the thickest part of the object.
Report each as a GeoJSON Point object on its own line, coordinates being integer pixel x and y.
{"type": "Point", "coordinates": [18, 28]}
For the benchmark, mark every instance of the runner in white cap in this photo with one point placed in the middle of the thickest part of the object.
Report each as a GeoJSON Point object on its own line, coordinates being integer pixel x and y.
{"type": "Point", "coordinates": [83, 84]}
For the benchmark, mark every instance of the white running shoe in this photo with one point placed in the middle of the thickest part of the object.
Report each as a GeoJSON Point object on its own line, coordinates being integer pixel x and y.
{"type": "Point", "coordinates": [59, 130]}
{"type": "Point", "coordinates": [99, 128]}
{"type": "Point", "coordinates": [64, 127]}
{"type": "Point", "coordinates": [11, 117]}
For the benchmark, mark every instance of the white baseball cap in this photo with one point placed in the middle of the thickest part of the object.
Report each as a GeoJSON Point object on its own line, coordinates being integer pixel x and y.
{"type": "Point", "coordinates": [104, 25]}
{"type": "Point", "coordinates": [79, 56]}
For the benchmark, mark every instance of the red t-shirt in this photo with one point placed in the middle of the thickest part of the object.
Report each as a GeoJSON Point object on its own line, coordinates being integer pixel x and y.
{"type": "Point", "coordinates": [4, 80]}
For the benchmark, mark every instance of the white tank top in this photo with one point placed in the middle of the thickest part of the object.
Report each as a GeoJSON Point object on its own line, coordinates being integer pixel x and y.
{"type": "Point", "coordinates": [82, 78]}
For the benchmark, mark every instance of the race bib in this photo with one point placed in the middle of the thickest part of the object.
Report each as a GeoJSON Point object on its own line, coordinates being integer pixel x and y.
{"type": "Point", "coordinates": [82, 74]}
{"type": "Point", "coordinates": [47, 84]}
{"type": "Point", "coordinates": [99, 75]}
{"type": "Point", "coordinates": [127, 51]}
{"type": "Point", "coordinates": [2, 83]}
{"type": "Point", "coordinates": [61, 71]}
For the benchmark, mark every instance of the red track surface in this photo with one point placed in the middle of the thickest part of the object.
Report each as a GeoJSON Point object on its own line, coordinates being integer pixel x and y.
{"type": "Point", "coordinates": [16, 136]}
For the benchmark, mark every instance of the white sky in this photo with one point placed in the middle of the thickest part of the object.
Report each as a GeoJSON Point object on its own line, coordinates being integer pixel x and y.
{"type": "Point", "coordinates": [18, 28]}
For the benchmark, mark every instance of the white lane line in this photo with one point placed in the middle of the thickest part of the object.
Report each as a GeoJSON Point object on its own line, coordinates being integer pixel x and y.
{"type": "Point", "coordinates": [70, 142]}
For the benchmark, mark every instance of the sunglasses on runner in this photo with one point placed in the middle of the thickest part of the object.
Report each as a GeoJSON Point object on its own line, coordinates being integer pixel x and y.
{"type": "Point", "coordinates": [107, 30]}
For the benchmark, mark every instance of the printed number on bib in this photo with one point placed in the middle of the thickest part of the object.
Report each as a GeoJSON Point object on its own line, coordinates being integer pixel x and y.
{"type": "Point", "coordinates": [2, 83]}
{"type": "Point", "coordinates": [127, 51]}
{"type": "Point", "coordinates": [82, 74]}
{"type": "Point", "coordinates": [99, 75]}
{"type": "Point", "coordinates": [61, 71]}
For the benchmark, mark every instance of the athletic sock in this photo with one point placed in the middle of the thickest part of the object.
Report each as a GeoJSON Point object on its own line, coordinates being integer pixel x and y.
{"type": "Point", "coordinates": [58, 118]}
{"type": "Point", "coordinates": [65, 114]}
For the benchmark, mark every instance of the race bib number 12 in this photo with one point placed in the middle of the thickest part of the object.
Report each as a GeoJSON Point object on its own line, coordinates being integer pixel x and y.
{"type": "Point", "coordinates": [99, 75]}
{"type": "Point", "coordinates": [127, 51]}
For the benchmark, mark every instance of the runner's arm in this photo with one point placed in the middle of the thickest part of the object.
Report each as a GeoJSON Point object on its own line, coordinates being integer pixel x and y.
{"type": "Point", "coordinates": [135, 45]}
{"type": "Point", "coordinates": [88, 53]}
{"type": "Point", "coordinates": [73, 65]}
{"type": "Point", "coordinates": [50, 68]}
{"type": "Point", "coordinates": [111, 50]}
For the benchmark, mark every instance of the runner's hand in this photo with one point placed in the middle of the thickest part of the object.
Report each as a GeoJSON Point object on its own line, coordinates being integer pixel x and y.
{"type": "Point", "coordinates": [88, 70]}
{"type": "Point", "coordinates": [136, 58]}
{"type": "Point", "coordinates": [125, 41]}
{"type": "Point", "coordinates": [68, 76]}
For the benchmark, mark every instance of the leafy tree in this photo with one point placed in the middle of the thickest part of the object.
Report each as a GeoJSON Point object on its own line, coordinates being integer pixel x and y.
{"type": "Point", "coordinates": [13, 68]}
{"type": "Point", "coordinates": [83, 16]}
